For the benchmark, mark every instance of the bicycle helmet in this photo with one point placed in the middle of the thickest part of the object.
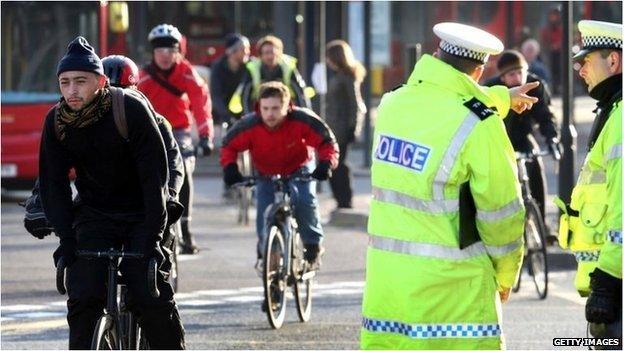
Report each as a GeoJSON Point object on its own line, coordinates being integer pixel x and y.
{"type": "Point", "coordinates": [164, 35]}
{"type": "Point", "coordinates": [120, 70]}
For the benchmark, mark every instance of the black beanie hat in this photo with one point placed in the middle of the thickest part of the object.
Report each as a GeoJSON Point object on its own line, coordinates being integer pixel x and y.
{"type": "Point", "coordinates": [235, 39]}
{"type": "Point", "coordinates": [80, 56]}
{"type": "Point", "coordinates": [509, 60]}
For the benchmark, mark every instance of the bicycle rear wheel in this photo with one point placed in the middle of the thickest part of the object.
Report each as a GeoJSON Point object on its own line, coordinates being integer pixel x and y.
{"type": "Point", "coordinates": [302, 283]}
{"type": "Point", "coordinates": [105, 335]}
{"type": "Point", "coordinates": [535, 243]}
{"type": "Point", "coordinates": [274, 284]}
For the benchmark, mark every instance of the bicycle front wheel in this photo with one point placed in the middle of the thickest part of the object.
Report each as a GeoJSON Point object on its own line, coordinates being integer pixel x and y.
{"type": "Point", "coordinates": [303, 283]}
{"type": "Point", "coordinates": [273, 277]}
{"type": "Point", "coordinates": [105, 335]}
{"type": "Point", "coordinates": [535, 243]}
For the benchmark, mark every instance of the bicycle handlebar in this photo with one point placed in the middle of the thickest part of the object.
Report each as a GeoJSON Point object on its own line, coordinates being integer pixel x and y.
{"type": "Point", "coordinates": [152, 268]}
{"type": "Point", "coordinates": [251, 181]}
{"type": "Point", "coordinates": [110, 254]}
{"type": "Point", "coordinates": [531, 155]}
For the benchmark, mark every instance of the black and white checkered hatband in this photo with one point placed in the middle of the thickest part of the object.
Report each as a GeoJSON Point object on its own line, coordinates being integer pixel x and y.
{"type": "Point", "coordinates": [600, 42]}
{"type": "Point", "coordinates": [463, 52]}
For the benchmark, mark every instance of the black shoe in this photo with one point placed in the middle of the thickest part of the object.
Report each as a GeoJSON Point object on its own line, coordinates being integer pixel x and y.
{"type": "Point", "coordinates": [313, 253]}
{"type": "Point", "coordinates": [188, 249]}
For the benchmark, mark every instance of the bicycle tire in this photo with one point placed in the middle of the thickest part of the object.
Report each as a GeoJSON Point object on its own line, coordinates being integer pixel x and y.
{"type": "Point", "coordinates": [105, 335]}
{"type": "Point", "coordinates": [274, 284]}
{"type": "Point", "coordinates": [303, 288]}
{"type": "Point", "coordinates": [535, 241]}
{"type": "Point", "coordinates": [174, 274]}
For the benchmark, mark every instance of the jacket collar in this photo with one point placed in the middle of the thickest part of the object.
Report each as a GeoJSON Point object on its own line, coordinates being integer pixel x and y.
{"type": "Point", "coordinates": [434, 71]}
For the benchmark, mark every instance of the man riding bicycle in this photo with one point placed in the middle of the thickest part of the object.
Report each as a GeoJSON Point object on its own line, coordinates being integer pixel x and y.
{"type": "Point", "coordinates": [110, 211]}
{"type": "Point", "coordinates": [280, 137]}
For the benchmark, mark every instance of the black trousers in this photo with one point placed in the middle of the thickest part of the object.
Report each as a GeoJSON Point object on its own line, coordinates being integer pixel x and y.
{"type": "Point", "coordinates": [86, 284]}
{"type": "Point", "coordinates": [186, 192]}
{"type": "Point", "coordinates": [340, 182]}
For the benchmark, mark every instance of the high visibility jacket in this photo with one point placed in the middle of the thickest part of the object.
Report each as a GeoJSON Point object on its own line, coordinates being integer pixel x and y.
{"type": "Point", "coordinates": [592, 226]}
{"type": "Point", "coordinates": [177, 109]}
{"type": "Point", "coordinates": [422, 292]}
{"type": "Point", "coordinates": [247, 92]}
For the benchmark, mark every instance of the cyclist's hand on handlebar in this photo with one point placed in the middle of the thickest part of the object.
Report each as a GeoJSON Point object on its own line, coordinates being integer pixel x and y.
{"type": "Point", "coordinates": [555, 148]}
{"type": "Point", "coordinates": [520, 101]}
{"type": "Point", "coordinates": [322, 171]}
{"type": "Point", "coordinates": [205, 146]}
{"type": "Point", "coordinates": [504, 294]}
{"type": "Point", "coordinates": [231, 174]}
{"type": "Point", "coordinates": [66, 249]}
{"type": "Point", "coordinates": [153, 250]}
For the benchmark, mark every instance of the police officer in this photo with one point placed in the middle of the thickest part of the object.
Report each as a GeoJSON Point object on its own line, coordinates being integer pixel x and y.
{"type": "Point", "coordinates": [441, 154]}
{"type": "Point", "coordinates": [592, 223]}
{"type": "Point", "coordinates": [273, 65]}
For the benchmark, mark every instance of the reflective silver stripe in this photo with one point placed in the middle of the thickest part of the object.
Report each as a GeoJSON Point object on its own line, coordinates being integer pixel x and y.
{"type": "Point", "coordinates": [448, 160]}
{"type": "Point", "coordinates": [511, 208]}
{"type": "Point", "coordinates": [592, 177]}
{"type": "Point", "coordinates": [497, 251]}
{"type": "Point", "coordinates": [429, 331]}
{"type": "Point", "coordinates": [425, 250]}
{"type": "Point", "coordinates": [615, 152]}
{"type": "Point", "coordinates": [615, 236]}
{"type": "Point", "coordinates": [404, 200]}
{"type": "Point", "coordinates": [587, 256]}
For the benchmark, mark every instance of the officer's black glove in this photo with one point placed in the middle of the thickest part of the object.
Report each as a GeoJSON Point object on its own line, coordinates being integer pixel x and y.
{"type": "Point", "coordinates": [205, 146]}
{"type": "Point", "coordinates": [605, 298]}
{"type": "Point", "coordinates": [174, 210]}
{"type": "Point", "coordinates": [231, 174]}
{"type": "Point", "coordinates": [38, 227]}
{"type": "Point", "coordinates": [66, 249]}
{"type": "Point", "coordinates": [555, 148]}
{"type": "Point", "coordinates": [322, 171]}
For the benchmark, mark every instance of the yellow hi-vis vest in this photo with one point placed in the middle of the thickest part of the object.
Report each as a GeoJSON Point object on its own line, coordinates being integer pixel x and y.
{"type": "Point", "coordinates": [422, 292]}
{"type": "Point", "coordinates": [288, 64]}
{"type": "Point", "coordinates": [593, 229]}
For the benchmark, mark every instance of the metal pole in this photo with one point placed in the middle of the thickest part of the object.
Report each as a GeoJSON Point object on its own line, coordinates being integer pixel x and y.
{"type": "Point", "coordinates": [322, 41]}
{"type": "Point", "coordinates": [367, 92]}
{"type": "Point", "coordinates": [568, 131]}
{"type": "Point", "coordinates": [103, 28]}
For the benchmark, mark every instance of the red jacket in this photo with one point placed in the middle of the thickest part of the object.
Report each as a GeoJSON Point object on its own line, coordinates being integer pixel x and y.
{"type": "Point", "coordinates": [285, 149]}
{"type": "Point", "coordinates": [177, 108]}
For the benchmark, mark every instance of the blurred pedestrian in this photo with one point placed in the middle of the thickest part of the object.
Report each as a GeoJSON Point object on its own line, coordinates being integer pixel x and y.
{"type": "Point", "coordinates": [344, 105]}
{"type": "Point", "coordinates": [552, 34]}
{"type": "Point", "coordinates": [530, 49]}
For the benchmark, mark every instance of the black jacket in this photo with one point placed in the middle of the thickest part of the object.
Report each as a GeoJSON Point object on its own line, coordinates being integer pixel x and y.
{"type": "Point", "coordinates": [519, 127]}
{"type": "Point", "coordinates": [114, 177]}
{"type": "Point", "coordinates": [223, 84]}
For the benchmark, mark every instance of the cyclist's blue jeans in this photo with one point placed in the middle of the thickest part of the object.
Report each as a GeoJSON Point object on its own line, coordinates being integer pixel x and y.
{"type": "Point", "coordinates": [306, 209]}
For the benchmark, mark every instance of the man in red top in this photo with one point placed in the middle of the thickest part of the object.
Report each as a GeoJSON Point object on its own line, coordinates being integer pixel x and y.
{"type": "Point", "coordinates": [281, 139]}
{"type": "Point", "coordinates": [175, 89]}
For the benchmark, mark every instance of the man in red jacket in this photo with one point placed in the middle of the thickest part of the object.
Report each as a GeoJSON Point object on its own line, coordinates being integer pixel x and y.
{"type": "Point", "coordinates": [176, 90]}
{"type": "Point", "coordinates": [282, 139]}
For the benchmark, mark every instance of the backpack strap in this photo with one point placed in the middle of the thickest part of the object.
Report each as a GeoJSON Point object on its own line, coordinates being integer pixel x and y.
{"type": "Point", "coordinates": [163, 83]}
{"type": "Point", "coordinates": [119, 112]}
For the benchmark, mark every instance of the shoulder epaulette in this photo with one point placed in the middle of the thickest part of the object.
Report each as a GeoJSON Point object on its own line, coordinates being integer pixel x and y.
{"type": "Point", "coordinates": [479, 108]}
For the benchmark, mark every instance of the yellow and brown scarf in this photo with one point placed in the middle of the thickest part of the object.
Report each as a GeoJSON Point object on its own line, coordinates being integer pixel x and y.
{"type": "Point", "coordinates": [68, 118]}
